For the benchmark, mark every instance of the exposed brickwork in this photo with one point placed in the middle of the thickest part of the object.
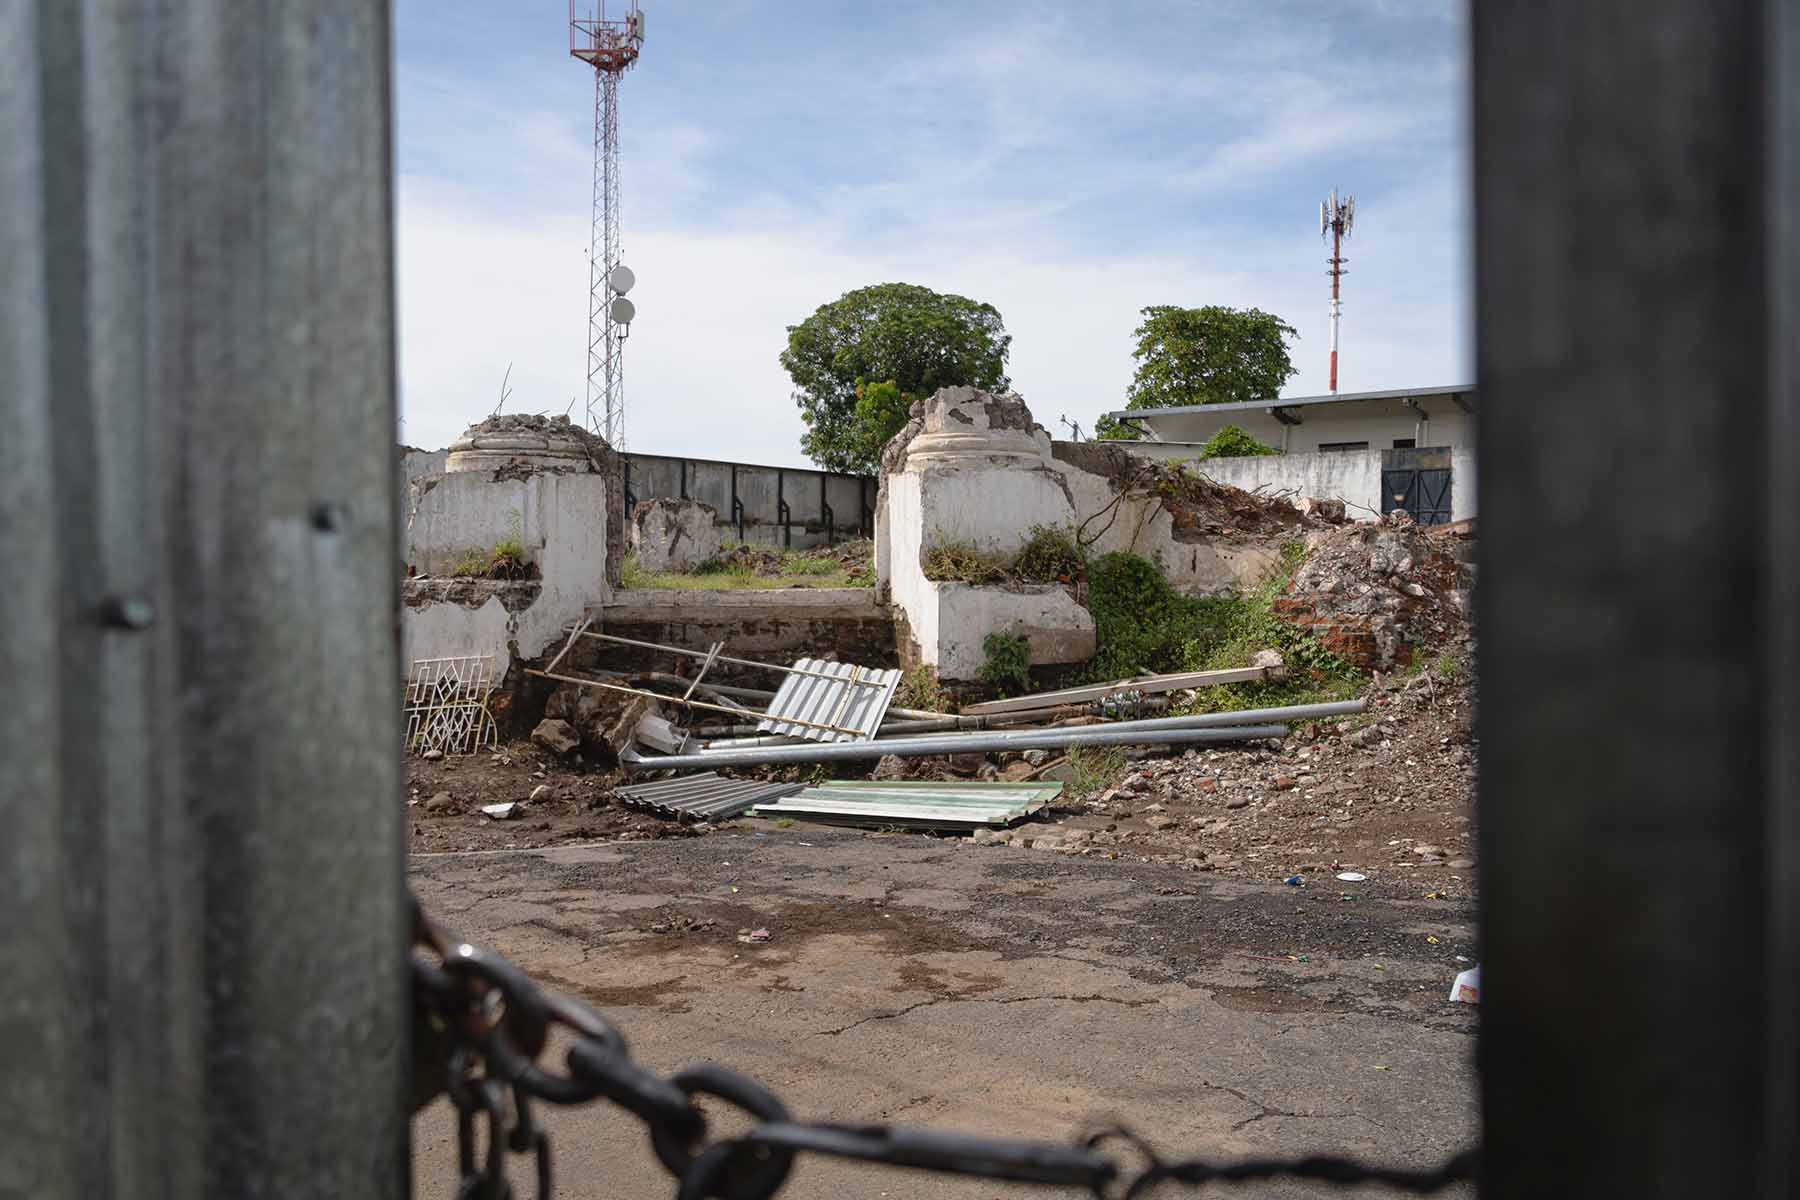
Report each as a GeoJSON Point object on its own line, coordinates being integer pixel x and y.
{"type": "Point", "coordinates": [1380, 593]}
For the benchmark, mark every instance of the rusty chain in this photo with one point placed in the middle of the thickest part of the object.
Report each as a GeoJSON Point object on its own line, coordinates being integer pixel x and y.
{"type": "Point", "coordinates": [481, 1024]}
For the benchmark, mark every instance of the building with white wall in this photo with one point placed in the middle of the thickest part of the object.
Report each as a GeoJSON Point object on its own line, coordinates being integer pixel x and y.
{"type": "Point", "coordinates": [1411, 448]}
{"type": "Point", "coordinates": [1343, 422]}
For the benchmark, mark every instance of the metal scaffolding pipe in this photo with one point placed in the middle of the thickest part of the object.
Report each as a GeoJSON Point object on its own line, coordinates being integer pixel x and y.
{"type": "Point", "coordinates": [1047, 739]}
{"type": "Point", "coordinates": [1292, 712]}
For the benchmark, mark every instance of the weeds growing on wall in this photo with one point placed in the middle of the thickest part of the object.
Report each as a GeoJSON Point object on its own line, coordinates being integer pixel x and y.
{"type": "Point", "coordinates": [471, 564]}
{"type": "Point", "coordinates": [1051, 555]}
{"type": "Point", "coordinates": [963, 562]}
{"type": "Point", "coordinates": [1006, 665]}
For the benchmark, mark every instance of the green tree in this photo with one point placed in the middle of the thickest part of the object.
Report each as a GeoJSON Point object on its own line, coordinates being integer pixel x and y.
{"type": "Point", "coordinates": [1210, 355]}
{"type": "Point", "coordinates": [1232, 442]}
{"type": "Point", "coordinates": [860, 361]}
{"type": "Point", "coordinates": [1108, 430]}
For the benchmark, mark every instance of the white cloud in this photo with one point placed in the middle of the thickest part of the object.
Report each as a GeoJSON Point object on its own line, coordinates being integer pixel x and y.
{"type": "Point", "coordinates": [1017, 206]}
{"type": "Point", "coordinates": [701, 371]}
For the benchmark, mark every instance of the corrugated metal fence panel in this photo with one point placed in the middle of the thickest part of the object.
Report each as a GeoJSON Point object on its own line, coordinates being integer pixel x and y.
{"type": "Point", "coordinates": [202, 835]}
{"type": "Point", "coordinates": [707, 797]}
{"type": "Point", "coordinates": [919, 804]}
{"type": "Point", "coordinates": [854, 698]}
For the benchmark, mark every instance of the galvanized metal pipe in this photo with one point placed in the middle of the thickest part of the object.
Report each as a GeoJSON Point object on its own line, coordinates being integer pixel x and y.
{"type": "Point", "coordinates": [1291, 712]}
{"type": "Point", "coordinates": [1045, 739]}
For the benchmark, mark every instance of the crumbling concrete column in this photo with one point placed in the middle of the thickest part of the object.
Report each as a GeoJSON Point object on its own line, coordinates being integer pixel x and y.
{"type": "Point", "coordinates": [974, 470]}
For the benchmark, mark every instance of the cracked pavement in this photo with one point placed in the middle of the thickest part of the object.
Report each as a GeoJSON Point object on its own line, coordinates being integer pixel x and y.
{"type": "Point", "coordinates": [983, 990]}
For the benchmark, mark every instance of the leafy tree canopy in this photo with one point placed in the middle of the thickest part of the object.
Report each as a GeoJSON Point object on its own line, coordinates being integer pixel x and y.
{"type": "Point", "coordinates": [1108, 430]}
{"type": "Point", "coordinates": [1232, 442]}
{"type": "Point", "coordinates": [1210, 355]}
{"type": "Point", "coordinates": [859, 362]}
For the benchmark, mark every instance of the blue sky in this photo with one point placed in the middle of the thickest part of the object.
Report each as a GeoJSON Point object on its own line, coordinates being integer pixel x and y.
{"type": "Point", "coordinates": [1068, 163]}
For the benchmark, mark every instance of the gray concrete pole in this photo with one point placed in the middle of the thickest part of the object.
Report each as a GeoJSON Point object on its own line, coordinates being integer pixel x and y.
{"type": "Point", "coordinates": [1639, 617]}
{"type": "Point", "coordinates": [202, 948]}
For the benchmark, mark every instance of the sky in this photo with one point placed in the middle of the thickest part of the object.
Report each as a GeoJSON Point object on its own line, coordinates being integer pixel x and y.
{"type": "Point", "coordinates": [1068, 163]}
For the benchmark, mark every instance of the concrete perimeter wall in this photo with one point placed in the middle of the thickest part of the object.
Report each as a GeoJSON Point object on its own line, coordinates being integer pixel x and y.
{"type": "Point", "coordinates": [821, 506]}
{"type": "Point", "coordinates": [1352, 476]}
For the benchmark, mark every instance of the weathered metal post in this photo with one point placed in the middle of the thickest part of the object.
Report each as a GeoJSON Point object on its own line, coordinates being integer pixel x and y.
{"type": "Point", "coordinates": [202, 960]}
{"type": "Point", "coordinates": [1638, 255]}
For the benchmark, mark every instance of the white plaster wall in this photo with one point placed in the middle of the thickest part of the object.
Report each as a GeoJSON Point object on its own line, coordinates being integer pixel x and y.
{"type": "Point", "coordinates": [994, 509]}
{"type": "Point", "coordinates": [902, 527]}
{"type": "Point", "coordinates": [1379, 423]}
{"type": "Point", "coordinates": [416, 463]}
{"type": "Point", "coordinates": [1351, 476]}
{"type": "Point", "coordinates": [450, 630]}
{"type": "Point", "coordinates": [561, 522]}
{"type": "Point", "coordinates": [1462, 484]}
{"type": "Point", "coordinates": [560, 519]}
{"type": "Point", "coordinates": [1142, 527]}
{"type": "Point", "coordinates": [1060, 630]}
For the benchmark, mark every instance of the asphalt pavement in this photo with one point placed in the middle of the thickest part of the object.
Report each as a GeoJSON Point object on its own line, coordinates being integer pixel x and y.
{"type": "Point", "coordinates": [980, 989]}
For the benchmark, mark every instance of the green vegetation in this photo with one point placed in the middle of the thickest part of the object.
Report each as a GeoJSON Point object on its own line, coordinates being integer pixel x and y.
{"type": "Point", "coordinates": [1144, 625]}
{"type": "Point", "coordinates": [848, 564]}
{"type": "Point", "coordinates": [1007, 664]}
{"type": "Point", "coordinates": [1096, 767]}
{"type": "Point", "coordinates": [1232, 442]}
{"type": "Point", "coordinates": [859, 362]}
{"type": "Point", "coordinates": [963, 562]}
{"type": "Point", "coordinates": [1050, 555]}
{"type": "Point", "coordinates": [1210, 355]}
{"type": "Point", "coordinates": [919, 689]}
{"type": "Point", "coordinates": [471, 564]}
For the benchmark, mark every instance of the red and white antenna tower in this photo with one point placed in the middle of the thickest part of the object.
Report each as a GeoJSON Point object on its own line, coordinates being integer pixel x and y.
{"type": "Point", "coordinates": [610, 47]}
{"type": "Point", "coordinates": [1336, 219]}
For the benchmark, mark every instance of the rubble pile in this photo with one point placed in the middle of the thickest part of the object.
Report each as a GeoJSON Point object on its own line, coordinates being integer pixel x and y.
{"type": "Point", "coordinates": [1380, 593]}
{"type": "Point", "coordinates": [559, 428]}
{"type": "Point", "coordinates": [1390, 795]}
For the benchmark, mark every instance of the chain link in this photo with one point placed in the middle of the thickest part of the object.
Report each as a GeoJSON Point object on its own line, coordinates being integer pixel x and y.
{"type": "Point", "coordinates": [481, 1025]}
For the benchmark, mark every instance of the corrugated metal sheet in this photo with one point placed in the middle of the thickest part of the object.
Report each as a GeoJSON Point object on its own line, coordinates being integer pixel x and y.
{"type": "Point", "coordinates": [707, 797]}
{"type": "Point", "coordinates": [917, 805]}
{"type": "Point", "coordinates": [853, 699]}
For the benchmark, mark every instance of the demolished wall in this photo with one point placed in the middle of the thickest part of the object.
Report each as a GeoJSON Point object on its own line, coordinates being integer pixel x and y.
{"type": "Point", "coordinates": [974, 470]}
{"type": "Point", "coordinates": [536, 481]}
{"type": "Point", "coordinates": [1380, 594]}
{"type": "Point", "coordinates": [675, 535]}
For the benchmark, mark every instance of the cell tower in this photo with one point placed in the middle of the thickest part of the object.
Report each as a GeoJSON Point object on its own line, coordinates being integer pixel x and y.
{"type": "Point", "coordinates": [610, 47]}
{"type": "Point", "coordinates": [1336, 219]}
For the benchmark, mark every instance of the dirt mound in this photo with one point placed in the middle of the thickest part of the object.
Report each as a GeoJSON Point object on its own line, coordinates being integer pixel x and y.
{"type": "Point", "coordinates": [1380, 593]}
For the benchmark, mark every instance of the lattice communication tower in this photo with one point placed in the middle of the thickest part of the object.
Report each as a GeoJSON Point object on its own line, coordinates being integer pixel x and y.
{"type": "Point", "coordinates": [610, 48]}
{"type": "Point", "coordinates": [1336, 219]}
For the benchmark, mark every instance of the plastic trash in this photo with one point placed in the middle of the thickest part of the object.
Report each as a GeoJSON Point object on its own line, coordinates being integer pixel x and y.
{"type": "Point", "coordinates": [1352, 876]}
{"type": "Point", "coordinates": [500, 812]}
{"type": "Point", "coordinates": [1292, 881]}
{"type": "Point", "coordinates": [1467, 988]}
